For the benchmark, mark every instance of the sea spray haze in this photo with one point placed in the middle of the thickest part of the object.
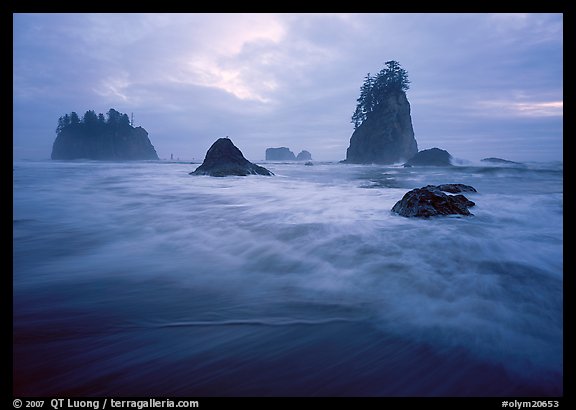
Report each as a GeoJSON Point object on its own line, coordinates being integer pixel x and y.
{"type": "Point", "coordinates": [140, 279]}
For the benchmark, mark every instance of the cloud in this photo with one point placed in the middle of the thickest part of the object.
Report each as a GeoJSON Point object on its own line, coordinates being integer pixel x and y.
{"type": "Point", "coordinates": [522, 109]}
{"type": "Point", "coordinates": [285, 79]}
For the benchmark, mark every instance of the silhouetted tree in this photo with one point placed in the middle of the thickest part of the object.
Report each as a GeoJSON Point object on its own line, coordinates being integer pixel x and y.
{"type": "Point", "coordinates": [124, 120]}
{"type": "Point", "coordinates": [74, 119]}
{"type": "Point", "coordinates": [63, 122]}
{"type": "Point", "coordinates": [113, 116]}
{"type": "Point", "coordinates": [90, 118]}
{"type": "Point", "coordinates": [395, 77]}
{"type": "Point", "coordinates": [374, 91]}
{"type": "Point", "coordinates": [92, 123]}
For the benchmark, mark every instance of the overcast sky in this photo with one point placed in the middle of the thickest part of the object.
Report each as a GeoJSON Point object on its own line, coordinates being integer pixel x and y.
{"type": "Point", "coordinates": [482, 85]}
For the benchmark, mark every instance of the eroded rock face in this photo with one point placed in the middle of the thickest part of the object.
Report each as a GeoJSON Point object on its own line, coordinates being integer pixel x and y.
{"type": "Point", "coordinates": [386, 136]}
{"type": "Point", "coordinates": [430, 157]}
{"type": "Point", "coordinates": [280, 154]}
{"type": "Point", "coordinates": [225, 159]}
{"type": "Point", "coordinates": [431, 201]}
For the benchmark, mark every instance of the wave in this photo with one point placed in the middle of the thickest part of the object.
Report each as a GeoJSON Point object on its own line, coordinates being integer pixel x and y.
{"type": "Point", "coordinates": [251, 322]}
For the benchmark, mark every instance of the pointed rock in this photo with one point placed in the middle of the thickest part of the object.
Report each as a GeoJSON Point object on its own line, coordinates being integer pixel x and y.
{"type": "Point", "coordinates": [224, 159]}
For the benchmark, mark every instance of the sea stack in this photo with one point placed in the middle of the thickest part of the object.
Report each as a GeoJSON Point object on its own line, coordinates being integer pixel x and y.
{"type": "Point", "coordinates": [280, 154]}
{"type": "Point", "coordinates": [225, 159]}
{"type": "Point", "coordinates": [386, 135]}
{"type": "Point", "coordinates": [383, 132]}
{"type": "Point", "coordinates": [304, 156]}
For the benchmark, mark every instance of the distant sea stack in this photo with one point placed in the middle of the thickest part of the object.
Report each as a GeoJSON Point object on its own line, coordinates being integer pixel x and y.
{"type": "Point", "coordinates": [98, 138]}
{"type": "Point", "coordinates": [431, 157]}
{"type": "Point", "coordinates": [304, 156]}
{"type": "Point", "coordinates": [225, 159]}
{"type": "Point", "coordinates": [280, 154]}
{"type": "Point", "coordinates": [383, 131]}
{"type": "Point", "coordinates": [285, 154]}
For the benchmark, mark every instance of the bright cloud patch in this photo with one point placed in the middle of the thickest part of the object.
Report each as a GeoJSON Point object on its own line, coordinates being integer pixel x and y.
{"type": "Point", "coordinates": [524, 109]}
{"type": "Point", "coordinates": [543, 109]}
{"type": "Point", "coordinates": [221, 65]}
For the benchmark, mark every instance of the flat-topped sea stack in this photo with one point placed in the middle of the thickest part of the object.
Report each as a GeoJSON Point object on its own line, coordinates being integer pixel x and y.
{"type": "Point", "coordinates": [96, 138]}
{"type": "Point", "coordinates": [225, 159]}
{"type": "Point", "coordinates": [280, 154]}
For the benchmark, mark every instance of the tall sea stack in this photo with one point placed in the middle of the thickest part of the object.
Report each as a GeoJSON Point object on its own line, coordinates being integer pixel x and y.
{"type": "Point", "coordinates": [383, 131]}
{"type": "Point", "coordinates": [386, 135]}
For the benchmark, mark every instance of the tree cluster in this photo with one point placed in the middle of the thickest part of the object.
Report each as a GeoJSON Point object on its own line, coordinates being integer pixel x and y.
{"type": "Point", "coordinates": [374, 90]}
{"type": "Point", "coordinates": [91, 121]}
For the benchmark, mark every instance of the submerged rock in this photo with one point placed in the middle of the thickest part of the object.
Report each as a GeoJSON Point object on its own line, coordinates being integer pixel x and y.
{"type": "Point", "coordinates": [432, 156]}
{"type": "Point", "coordinates": [431, 201]}
{"type": "Point", "coordinates": [494, 160]}
{"type": "Point", "coordinates": [280, 154]}
{"type": "Point", "coordinates": [224, 159]}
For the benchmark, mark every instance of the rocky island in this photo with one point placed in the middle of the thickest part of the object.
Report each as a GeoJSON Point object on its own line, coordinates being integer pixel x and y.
{"type": "Point", "coordinates": [383, 132]}
{"type": "Point", "coordinates": [98, 138]}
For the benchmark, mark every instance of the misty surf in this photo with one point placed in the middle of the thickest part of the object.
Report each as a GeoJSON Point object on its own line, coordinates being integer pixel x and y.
{"type": "Point", "coordinates": [136, 278]}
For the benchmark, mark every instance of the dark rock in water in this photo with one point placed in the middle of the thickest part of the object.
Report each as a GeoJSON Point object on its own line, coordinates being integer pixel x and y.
{"type": "Point", "coordinates": [494, 160]}
{"type": "Point", "coordinates": [280, 154]}
{"type": "Point", "coordinates": [309, 163]}
{"type": "Point", "coordinates": [431, 201]}
{"type": "Point", "coordinates": [224, 159]}
{"type": "Point", "coordinates": [463, 200]}
{"type": "Point", "coordinates": [386, 135]}
{"type": "Point", "coordinates": [432, 156]}
{"type": "Point", "coordinates": [304, 156]}
{"type": "Point", "coordinates": [96, 139]}
{"type": "Point", "coordinates": [455, 188]}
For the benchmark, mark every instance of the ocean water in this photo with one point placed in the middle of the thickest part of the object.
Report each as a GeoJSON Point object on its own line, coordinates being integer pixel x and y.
{"type": "Point", "coordinates": [135, 278]}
